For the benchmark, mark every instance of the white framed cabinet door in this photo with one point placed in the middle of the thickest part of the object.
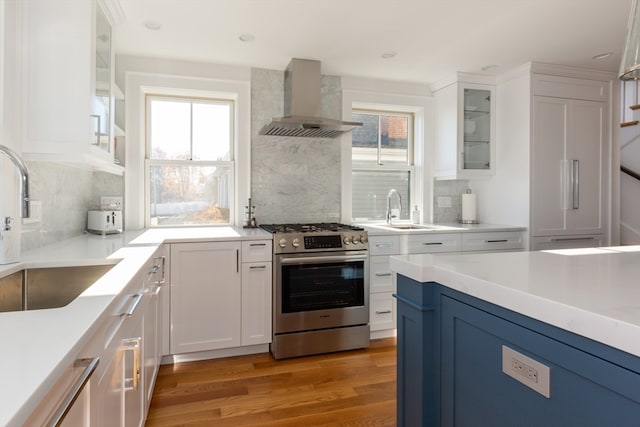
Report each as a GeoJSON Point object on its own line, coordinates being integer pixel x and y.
{"type": "Point", "coordinates": [205, 296]}
{"type": "Point", "coordinates": [256, 302]}
{"type": "Point", "coordinates": [568, 166]}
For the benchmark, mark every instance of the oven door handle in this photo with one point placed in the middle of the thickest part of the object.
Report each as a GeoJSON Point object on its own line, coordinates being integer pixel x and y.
{"type": "Point", "coordinates": [325, 259]}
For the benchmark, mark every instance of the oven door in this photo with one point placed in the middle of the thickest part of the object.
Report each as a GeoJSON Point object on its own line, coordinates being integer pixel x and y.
{"type": "Point", "coordinates": [320, 290]}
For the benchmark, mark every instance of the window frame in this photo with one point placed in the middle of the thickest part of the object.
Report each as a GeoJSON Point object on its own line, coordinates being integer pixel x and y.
{"type": "Point", "coordinates": [409, 166]}
{"type": "Point", "coordinates": [148, 162]}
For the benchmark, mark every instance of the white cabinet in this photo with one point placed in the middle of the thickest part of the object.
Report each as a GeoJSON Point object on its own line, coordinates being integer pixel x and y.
{"type": "Point", "coordinates": [431, 243]}
{"type": "Point", "coordinates": [464, 130]}
{"type": "Point", "coordinates": [154, 293]}
{"type": "Point", "coordinates": [492, 241]}
{"type": "Point", "coordinates": [257, 274]}
{"type": "Point", "coordinates": [67, 91]}
{"type": "Point", "coordinates": [221, 295]}
{"type": "Point", "coordinates": [205, 296]}
{"type": "Point", "coordinates": [569, 155]}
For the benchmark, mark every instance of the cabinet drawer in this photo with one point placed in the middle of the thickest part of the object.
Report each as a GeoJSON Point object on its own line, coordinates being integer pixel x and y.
{"type": "Point", "coordinates": [256, 250]}
{"type": "Point", "coordinates": [382, 311]}
{"type": "Point", "coordinates": [428, 243]}
{"type": "Point", "coordinates": [384, 245]}
{"type": "Point", "coordinates": [566, 242]}
{"type": "Point", "coordinates": [492, 241]}
{"type": "Point", "coordinates": [381, 279]}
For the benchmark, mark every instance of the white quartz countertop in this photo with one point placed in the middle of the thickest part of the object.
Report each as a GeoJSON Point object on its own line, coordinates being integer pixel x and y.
{"type": "Point", "coordinates": [591, 292]}
{"type": "Point", "coordinates": [36, 346]}
{"type": "Point", "coordinates": [381, 229]}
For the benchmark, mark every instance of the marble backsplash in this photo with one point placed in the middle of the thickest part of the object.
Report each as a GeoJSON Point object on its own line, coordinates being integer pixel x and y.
{"type": "Point", "coordinates": [65, 194]}
{"type": "Point", "coordinates": [453, 189]}
{"type": "Point", "coordinates": [293, 179]}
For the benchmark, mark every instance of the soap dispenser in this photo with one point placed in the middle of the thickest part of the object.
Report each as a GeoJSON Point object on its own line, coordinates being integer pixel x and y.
{"type": "Point", "coordinates": [415, 215]}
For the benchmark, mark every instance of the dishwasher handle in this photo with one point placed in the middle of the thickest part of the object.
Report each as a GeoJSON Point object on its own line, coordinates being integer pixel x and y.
{"type": "Point", "coordinates": [90, 366]}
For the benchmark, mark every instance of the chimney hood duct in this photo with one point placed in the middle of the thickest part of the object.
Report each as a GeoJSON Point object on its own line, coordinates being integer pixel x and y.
{"type": "Point", "coordinates": [302, 87]}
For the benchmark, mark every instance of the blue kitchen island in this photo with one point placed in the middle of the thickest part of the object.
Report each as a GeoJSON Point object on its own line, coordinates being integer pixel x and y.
{"type": "Point", "coordinates": [519, 339]}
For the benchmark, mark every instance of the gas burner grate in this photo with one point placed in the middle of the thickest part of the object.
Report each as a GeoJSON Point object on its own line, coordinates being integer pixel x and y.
{"type": "Point", "coordinates": [320, 227]}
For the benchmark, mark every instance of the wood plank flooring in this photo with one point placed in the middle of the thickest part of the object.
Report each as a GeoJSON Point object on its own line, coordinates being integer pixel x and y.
{"type": "Point", "coordinates": [351, 388]}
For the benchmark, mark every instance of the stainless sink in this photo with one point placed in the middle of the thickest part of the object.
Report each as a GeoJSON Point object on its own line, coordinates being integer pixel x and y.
{"type": "Point", "coordinates": [407, 226]}
{"type": "Point", "coordinates": [51, 287]}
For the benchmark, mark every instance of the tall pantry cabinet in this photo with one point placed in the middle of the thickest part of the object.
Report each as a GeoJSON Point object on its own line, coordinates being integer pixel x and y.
{"type": "Point", "coordinates": [570, 144]}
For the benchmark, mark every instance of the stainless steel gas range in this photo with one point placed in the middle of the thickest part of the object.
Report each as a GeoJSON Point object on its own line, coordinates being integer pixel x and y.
{"type": "Point", "coordinates": [320, 288]}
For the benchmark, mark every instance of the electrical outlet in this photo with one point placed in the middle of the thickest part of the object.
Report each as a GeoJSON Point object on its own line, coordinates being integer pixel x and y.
{"type": "Point", "coordinates": [444, 201]}
{"type": "Point", "coordinates": [111, 203]}
{"type": "Point", "coordinates": [527, 371]}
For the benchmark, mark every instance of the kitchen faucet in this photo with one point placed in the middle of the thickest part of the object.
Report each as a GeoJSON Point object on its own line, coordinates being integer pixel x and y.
{"type": "Point", "coordinates": [24, 185]}
{"type": "Point", "coordinates": [389, 216]}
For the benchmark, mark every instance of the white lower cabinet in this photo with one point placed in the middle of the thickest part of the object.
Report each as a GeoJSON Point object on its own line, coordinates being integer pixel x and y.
{"type": "Point", "coordinates": [221, 295]}
{"type": "Point", "coordinates": [382, 281]}
{"type": "Point", "coordinates": [205, 296]}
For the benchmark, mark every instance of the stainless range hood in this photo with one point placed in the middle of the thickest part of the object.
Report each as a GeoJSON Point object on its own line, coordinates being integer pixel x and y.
{"type": "Point", "coordinates": [302, 87]}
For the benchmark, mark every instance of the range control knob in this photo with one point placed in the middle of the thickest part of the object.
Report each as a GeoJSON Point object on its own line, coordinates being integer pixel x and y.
{"type": "Point", "coordinates": [347, 240]}
{"type": "Point", "coordinates": [282, 243]}
{"type": "Point", "coordinates": [295, 243]}
{"type": "Point", "coordinates": [363, 239]}
{"type": "Point", "coordinates": [355, 240]}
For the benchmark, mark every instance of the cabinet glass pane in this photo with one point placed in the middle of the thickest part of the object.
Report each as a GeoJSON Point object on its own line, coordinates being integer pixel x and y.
{"type": "Point", "coordinates": [477, 129]}
{"type": "Point", "coordinates": [101, 108]}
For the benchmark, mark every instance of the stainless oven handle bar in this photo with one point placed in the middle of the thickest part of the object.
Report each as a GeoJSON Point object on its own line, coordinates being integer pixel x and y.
{"type": "Point", "coordinates": [328, 258]}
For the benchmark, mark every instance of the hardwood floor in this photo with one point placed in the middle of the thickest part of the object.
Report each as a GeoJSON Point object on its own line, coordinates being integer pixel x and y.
{"type": "Point", "coordinates": [351, 388]}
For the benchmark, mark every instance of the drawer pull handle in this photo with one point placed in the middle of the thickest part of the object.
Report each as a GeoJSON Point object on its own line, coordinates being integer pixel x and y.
{"type": "Point", "coordinates": [383, 274]}
{"type": "Point", "coordinates": [564, 239]}
{"type": "Point", "coordinates": [133, 345]}
{"type": "Point", "coordinates": [383, 245]}
{"type": "Point", "coordinates": [383, 311]}
{"type": "Point", "coordinates": [257, 244]}
{"type": "Point", "coordinates": [134, 305]}
{"type": "Point", "coordinates": [497, 241]}
{"type": "Point", "coordinates": [432, 243]}
{"type": "Point", "coordinates": [257, 267]}
{"type": "Point", "coordinates": [89, 366]}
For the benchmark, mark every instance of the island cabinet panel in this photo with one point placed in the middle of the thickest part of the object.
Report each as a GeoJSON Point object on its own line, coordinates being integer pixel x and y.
{"type": "Point", "coordinates": [450, 368]}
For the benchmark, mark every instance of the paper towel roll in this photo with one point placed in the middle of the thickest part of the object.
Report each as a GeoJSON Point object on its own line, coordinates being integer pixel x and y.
{"type": "Point", "coordinates": [469, 208]}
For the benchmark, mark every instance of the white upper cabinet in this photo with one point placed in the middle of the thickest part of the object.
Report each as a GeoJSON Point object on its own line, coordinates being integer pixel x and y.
{"type": "Point", "coordinates": [464, 130]}
{"type": "Point", "coordinates": [68, 81]}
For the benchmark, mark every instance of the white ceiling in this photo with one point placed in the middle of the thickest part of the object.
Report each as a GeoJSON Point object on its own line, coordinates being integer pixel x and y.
{"type": "Point", "coordinates": [432, 38]}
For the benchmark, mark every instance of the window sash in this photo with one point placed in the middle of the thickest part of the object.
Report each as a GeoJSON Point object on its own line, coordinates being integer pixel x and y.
{"type": "Point", "coordinates": [379, 155]}
{"type": "Point", "coordinates": [189, 163]}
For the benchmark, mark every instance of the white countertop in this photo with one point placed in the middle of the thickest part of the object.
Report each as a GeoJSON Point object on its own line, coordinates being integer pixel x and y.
{"type": "Point", "coordinates": [381, 229]}
{"type": "Point", "coordinates": [591, 292]}
{"type": "Point", "coordinates": [36, 346]}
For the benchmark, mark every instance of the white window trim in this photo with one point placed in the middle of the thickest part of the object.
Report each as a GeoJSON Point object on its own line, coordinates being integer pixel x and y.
{"type": "Point", "coordinates": [421, 106]}
{"type": "Point", "coordinates": [137, 85]}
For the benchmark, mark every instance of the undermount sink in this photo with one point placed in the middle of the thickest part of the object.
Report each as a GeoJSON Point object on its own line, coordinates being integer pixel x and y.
{"type": "Point", "coordinates": [406, 226]}
{"type": "Point", "coordinates": [50, 287]}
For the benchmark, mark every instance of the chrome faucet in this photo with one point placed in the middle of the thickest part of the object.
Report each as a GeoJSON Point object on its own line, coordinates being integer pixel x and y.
{"type": "Point", "coordinates": [24, 184]}
{"type": "Point", "coordinates": [389, 216]}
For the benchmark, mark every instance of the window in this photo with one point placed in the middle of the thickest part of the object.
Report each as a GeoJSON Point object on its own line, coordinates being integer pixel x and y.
{"type": "Point", "coordinates": [189, 161]}
{"type": "Point", "coordinates": [382, 159]}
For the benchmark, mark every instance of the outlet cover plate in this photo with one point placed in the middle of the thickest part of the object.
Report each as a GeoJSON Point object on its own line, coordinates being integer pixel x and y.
{"type": "Point", "coordinates": [111, 203]}
{"type": "Point", "coordinates": [527, 371]}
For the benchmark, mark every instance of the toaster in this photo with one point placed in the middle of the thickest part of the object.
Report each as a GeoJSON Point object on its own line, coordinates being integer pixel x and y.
{"type": "Point", "coordinates": [104, 222]}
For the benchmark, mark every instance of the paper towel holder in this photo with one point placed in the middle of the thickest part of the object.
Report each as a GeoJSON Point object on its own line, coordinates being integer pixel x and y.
{"type": "Point", "coordinates": [462, 220]}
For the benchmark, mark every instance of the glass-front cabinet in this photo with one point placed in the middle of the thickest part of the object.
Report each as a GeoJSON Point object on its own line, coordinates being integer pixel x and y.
{"type": "Point", "coordinates": [101, 114]}
{"type": "Point", "coordinates": [464, 130]}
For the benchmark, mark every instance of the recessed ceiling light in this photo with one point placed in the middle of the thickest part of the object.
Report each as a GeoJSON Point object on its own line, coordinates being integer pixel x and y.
{"type": "Point", "coordinates": [152, 25]}
{"type": "Point", "coordinates": [603, 55]}
{"type": "Point", "coordinates": [247, 37]}
{"type": "Point", "coordinates": [388, 55]}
